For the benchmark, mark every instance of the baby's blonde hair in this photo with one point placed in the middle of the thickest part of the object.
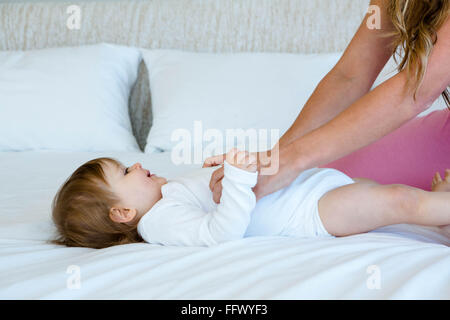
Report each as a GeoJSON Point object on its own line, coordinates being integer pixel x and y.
{"type": "Point", "coordinates": [80, 210]}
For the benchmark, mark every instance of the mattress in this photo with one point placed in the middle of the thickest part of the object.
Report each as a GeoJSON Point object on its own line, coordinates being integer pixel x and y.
{"type": "Point", "coordinates": [394, 262]}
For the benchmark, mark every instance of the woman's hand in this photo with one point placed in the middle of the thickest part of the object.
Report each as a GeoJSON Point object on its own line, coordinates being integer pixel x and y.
{"type": "Point", "coordinates": [240, 159]}
{"type": "Point", "coordinates": [215, 183]}
{"type": "Point", "coordinates": [277, 169]}
{"type": "Point", "coordinates": [273, 175]}
{"type": "Point", "coordinates": [260, 162]}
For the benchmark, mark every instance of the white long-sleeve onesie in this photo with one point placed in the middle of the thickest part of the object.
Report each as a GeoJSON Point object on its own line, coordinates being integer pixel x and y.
{"type": "Point", "coordinates": [187, 215]}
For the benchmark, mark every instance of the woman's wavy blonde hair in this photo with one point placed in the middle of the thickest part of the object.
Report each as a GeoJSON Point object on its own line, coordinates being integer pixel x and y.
{"type": "Point", "coordinates": [416, 23]}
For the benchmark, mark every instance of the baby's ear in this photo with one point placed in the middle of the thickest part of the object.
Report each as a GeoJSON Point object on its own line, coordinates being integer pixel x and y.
{"type": "Point", "coordinates": [122, 215]}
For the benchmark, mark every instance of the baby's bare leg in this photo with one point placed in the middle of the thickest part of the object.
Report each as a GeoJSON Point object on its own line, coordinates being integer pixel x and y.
{"type": "Point", "coordinates": [361, 207]}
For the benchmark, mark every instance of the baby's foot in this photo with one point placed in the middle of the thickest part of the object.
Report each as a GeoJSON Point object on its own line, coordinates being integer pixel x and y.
{"type": "Point", "coordinates": [441, 185]}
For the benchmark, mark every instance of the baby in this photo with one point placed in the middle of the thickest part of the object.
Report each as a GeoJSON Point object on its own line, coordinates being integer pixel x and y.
{"type": "Point", "coordinates": [104, 203]}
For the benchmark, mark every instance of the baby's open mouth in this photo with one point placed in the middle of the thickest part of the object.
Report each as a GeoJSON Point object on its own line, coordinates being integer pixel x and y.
{"type": "Point", "coordinates": [149, 174]}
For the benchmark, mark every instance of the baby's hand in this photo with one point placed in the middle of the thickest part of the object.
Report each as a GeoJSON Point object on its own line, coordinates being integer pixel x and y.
{"type": "Point", "coordinates": [242, 160]}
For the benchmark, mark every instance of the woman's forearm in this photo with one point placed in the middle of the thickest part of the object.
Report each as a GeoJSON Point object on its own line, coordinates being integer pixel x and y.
{"type": "Point", "coordinates": [368, 119]}
{"type": "Point", "coordinates": [332, 95]}
{"type": "Point", "coordinates": [375, 114]}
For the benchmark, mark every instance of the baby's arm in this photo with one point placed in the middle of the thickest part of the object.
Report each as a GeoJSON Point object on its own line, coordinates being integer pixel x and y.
{"type": "Point", "coordinates": [184, 224]}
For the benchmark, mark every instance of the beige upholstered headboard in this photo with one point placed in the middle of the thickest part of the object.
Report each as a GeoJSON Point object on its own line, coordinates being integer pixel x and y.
{"type": "Point", "coordinates": [294, 26]}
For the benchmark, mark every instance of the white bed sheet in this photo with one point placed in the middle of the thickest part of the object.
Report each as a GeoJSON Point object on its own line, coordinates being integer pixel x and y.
{"type": "Point", "coordinates": [410, 262]}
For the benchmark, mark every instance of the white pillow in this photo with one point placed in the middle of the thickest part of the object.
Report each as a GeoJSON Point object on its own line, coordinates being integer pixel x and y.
{"type": "Point", "coordinates": [226, 91]}
{"type": "Point", "coordinates": [71, 99]}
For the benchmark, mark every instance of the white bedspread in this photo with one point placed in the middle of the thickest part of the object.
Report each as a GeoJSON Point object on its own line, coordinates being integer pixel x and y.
{"type": "Point", "coordinates": [395, 262]}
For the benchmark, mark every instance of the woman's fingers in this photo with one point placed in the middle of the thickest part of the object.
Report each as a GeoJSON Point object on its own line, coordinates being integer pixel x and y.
{"type": "Point", "coordinates": [260, 189]}
{"type": "Point", "coordinates": [232, 155]}
{"type": "Point", "coordinates": [217, 191]}
{"type": "Point", "coordinates": [241, 158]}
{"type": "Point", "coordinates": [214, 161]}
{"type": "Point", "coordinates": [216, 176]}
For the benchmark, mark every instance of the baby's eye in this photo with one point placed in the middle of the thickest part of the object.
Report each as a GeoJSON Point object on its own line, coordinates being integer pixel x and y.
{"type": "Point", "coordinates": [126, 171]}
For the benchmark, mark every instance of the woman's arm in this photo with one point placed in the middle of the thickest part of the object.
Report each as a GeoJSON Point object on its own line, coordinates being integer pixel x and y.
{"type": "Point", "coordinates": [350, 79]}
{"type": "Point", "coordinates": [368, 119]}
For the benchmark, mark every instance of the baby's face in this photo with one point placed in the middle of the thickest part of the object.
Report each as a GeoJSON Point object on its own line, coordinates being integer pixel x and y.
{"type": "Point", "coordinates": [136, 187]}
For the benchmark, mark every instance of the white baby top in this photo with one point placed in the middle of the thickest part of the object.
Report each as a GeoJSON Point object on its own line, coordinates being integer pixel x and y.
{"type": "Point", "coordinates": [187, 215]}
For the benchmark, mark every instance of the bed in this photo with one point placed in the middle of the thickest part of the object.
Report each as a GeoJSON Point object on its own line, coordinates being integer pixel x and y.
{"type": "Point", "coordinates": [394, 262]}
{"type": "Point", "coordinates": [410, 261]}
